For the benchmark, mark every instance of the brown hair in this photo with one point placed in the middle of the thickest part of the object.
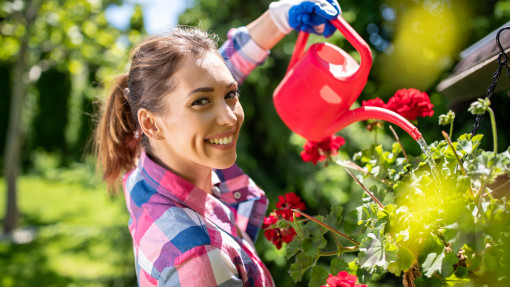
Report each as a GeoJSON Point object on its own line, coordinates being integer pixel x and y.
{"type": "Point", "coordinates": [118, 138]}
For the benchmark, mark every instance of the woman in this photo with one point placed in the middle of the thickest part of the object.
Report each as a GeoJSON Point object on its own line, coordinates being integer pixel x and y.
{"type": "Point", "coordinates": [173, 122]}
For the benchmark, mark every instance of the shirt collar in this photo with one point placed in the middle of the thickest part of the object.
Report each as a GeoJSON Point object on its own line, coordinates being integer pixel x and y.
{"type": "Point", "coordinates": [172, 186]}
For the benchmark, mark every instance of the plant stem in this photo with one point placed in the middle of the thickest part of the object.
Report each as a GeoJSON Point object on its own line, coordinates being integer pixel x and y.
{"type": "Point", "coordinates": [398, 140]}
{"type": "Point", "coordinates": [338, 244]}
{"type": "Point", "coordinates": [449, 141]}
{"type": "Point", "coordinates": [298, 229]}
{"type": "Point", "coordinates": [375, 134]}
{"type": "Point", "coordinates": [325, 226]}
{"type": "Point", "coordinates": [494, 131]}
{"type": "Point", "coordinates": [352, 165]}
{"type": "Point", "coordinates": [451, 129]}
{"type": "Point", "coordinates": [366, 190]}
{"type": "Point", "coordinates": [340, 251]}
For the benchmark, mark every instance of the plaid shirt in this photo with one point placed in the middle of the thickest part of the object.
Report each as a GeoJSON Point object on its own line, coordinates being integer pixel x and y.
{"type": "Point", "coordinates": [183, 236]}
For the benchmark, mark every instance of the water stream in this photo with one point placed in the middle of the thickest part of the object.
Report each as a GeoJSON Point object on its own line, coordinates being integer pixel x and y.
{"type": "Point", "coordinates": [430, 160]}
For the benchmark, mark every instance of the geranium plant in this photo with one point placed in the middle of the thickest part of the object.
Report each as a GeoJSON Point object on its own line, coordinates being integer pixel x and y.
{"type": "Point", "coordinates": [440, 218]}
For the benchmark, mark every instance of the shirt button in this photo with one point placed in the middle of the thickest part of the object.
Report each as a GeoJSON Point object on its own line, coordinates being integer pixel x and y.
{"type": "Point", "coordinates": [237, 195]}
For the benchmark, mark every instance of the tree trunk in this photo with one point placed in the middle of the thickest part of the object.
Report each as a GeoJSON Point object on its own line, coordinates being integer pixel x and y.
{"type": "Point", "coordinates": [14, 138]}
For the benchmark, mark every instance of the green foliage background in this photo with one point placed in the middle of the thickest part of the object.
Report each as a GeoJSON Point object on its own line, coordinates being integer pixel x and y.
{"type": "Point", "coordinates": [77, 51]}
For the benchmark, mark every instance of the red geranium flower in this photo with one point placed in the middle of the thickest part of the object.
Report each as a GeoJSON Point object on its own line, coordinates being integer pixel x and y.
{"type": "Point", "coordinates": [411, 103]}
{"type": "Point", "coordinates": [280, 235]}
{"type": "Point", "coordinates": [319, 151]}
{"type": "Point", "coordinates": [343, 279]}
{"type": "Point", "coordinates": [288, 202]}
{"type": "Point", "coordinates": [311, 152]}
{"type": "Point", "coordinates": [276, 234]}
{"type": "Point", "coordinates": [377, 102]}
{"type": "Point", "coordinates": [283, 231]}
{"type": "Point", "coordinates": [331, 144]}
{"type": "Point", "coordinates": [270, 220]}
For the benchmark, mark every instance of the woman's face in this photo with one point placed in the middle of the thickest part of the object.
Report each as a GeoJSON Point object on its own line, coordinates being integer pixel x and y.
{"type": "Point", "coordinates": [202, 118]}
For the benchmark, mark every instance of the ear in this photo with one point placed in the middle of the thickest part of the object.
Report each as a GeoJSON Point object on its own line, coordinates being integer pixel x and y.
{"type": "Point", "coordinates": [148, 124]}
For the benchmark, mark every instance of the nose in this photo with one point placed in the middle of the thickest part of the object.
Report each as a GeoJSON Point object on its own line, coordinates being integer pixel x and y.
{"type": "Point", "coordinates": [225, 115]}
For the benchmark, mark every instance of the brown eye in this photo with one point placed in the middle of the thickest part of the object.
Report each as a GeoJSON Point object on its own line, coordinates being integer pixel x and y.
{"type": "Point", "coordinates": [200, 102]}
{"type": "Point", "coordinates": [232, 94]}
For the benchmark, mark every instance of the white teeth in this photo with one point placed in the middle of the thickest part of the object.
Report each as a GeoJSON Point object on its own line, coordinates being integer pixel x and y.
{"type": "Point", "coordinates": [224, 140]}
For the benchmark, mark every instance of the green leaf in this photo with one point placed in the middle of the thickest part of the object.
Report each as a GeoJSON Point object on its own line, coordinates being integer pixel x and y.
{"type": "Point", "coordinates": [433, 263]}
{"type": "Point", "coordinates": [389, 216]}
{"type": "Point", "coordinates": [405, 261]}
{"type": "Point", "coordinates": [299, 267]}
{"type": "Point", "coordinates": [313, 229]}
{"type": "Point", "coordinates": [334, 217]}
{"type": "Point", "coordinates": [453, 280]}
{"type": "Point", "coordinates": [312, 245]}
{"type": "Point", "coordinates": [461, 272]}
{"type": "Point", "coordinates": [467, 144]}
{"type": "Point", "coordinates": [337, 265]}
{"type": "Point", "coordinates": [318, 277]}
{"type": "Point", "coordinates": [449, 260]}
{"type": "Point", "coordinates": [473, 260]}
{"type": "Point", "coordinates": [362, 217]}
{"type": "Point", "coordinates": [428, 282]}
{"type": "Point", "coordinates": [491, 260]}
{"type": "Point", "coordinates": [293, 247]}
{"type": "Point", "coordinates": [373, 253]}
{"type": "Point", "coordinates": [433, 244]}
{"type": "Point", "coordinates": [481, 165]}
{"type": "Point", "coordinates": [353, 266]}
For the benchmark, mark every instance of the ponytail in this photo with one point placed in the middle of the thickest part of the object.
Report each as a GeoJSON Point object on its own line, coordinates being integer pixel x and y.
{"type": "Point", "coordinates": [117, 138]}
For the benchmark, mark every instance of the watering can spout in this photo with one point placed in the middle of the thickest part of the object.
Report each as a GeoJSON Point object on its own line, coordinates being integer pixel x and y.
{"type": "Point", "coordinates": [368, 113]}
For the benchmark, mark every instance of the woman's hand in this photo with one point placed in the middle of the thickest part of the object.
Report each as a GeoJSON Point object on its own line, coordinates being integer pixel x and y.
{"type": "Point", "coordinates": [311, 16]}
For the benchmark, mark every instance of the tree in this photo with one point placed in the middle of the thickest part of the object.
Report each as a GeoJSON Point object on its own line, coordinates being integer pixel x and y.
{"type": "Point", "coordinates": [37, 36]}
{"type": "Point", "coordinates": [14, 136]}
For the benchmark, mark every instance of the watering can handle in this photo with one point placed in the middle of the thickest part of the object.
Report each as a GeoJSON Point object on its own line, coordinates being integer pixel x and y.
{"type": "Point", "coordinates": [356, 41]}
{"type": "Point", "coordinates": [299, 49]}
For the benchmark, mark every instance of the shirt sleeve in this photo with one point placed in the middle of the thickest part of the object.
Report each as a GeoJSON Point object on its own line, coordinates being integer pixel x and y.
{"type": "Point", "coordinates": [241, 53]}
{"type": "Point", "coordinates": [202, 266]}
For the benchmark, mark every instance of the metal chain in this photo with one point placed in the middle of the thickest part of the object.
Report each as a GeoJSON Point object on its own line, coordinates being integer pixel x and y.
{"type": "Point", "coordinates": [502, 61]}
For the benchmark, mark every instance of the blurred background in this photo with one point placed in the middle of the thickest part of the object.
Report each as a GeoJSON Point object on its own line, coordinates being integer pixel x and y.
{"type": "Point", "coordinates": [60, 226]}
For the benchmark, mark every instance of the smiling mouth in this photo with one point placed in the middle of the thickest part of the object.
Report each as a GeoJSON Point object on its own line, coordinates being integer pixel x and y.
{"type": "Point", "coordinates": [221, 141]}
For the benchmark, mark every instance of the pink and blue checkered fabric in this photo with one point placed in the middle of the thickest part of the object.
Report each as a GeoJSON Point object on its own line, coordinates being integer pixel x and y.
{"type": "Point", "coordinates": [241, 53]}
{"type": "Point", "coordinates": [183, 236]}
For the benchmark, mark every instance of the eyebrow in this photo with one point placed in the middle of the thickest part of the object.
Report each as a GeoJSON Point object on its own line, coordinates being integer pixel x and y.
{"type": "Point", "coordinates": [209, 89]}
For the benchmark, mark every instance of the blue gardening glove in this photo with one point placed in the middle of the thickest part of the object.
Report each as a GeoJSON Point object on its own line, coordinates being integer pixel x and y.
{"type": "Point", "coordinates": [311, 16]}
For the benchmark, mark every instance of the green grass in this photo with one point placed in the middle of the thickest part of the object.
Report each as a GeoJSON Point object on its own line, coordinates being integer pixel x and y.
{"type": "Point", "coordinates": [81, 236]}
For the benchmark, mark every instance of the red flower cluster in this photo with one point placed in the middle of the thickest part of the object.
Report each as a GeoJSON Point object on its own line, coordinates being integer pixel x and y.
{"type": "Point", "coordinates": [409, 103]}
{"type": "Point", "coordinates": [273, 231]}
{"type": "Point", "coordinates": [288, 202]}
{"type": "Point", "coordinates": [319, 151]}
{"type": "Point", "coordinates": [343, 279]}
{"type": "Point", "coordinates": [275, 234]}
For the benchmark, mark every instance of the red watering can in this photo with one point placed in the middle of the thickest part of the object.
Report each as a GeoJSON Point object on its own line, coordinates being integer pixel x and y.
{"type": "Point", "coordinates": [321, 84]}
